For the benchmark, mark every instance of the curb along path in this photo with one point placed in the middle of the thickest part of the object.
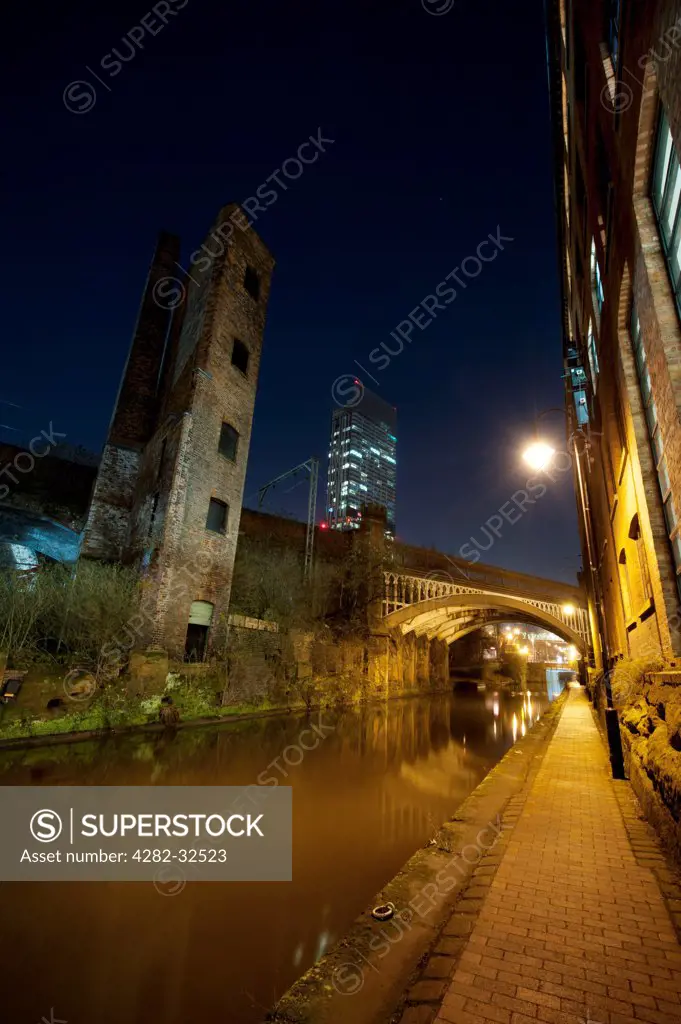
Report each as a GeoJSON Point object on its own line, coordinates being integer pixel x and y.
{"type": "Point", "coordinates": [573, 926]}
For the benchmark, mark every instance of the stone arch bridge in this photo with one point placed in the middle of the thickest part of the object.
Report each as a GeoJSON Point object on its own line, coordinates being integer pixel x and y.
{"type": "Point", "coordinates": [438, 606]}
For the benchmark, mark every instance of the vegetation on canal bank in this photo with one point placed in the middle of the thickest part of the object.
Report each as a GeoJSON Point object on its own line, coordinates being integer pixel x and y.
{"type": "Point", "coordinates": [68, 634]}
{"type": "Point", "coordinates": [114, 709]}
{"type": "Point", "coordinates": [54, 615]}
{"type": "Point", "coordinates": [196, 699]}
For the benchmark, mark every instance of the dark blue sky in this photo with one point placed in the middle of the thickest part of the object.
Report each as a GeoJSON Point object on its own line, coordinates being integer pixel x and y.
{"type": "Point", "coordinates": [441, 129]}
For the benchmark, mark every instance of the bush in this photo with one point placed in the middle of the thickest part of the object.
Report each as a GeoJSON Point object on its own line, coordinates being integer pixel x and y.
{"type": "Point", "coordinates": [66, 613]}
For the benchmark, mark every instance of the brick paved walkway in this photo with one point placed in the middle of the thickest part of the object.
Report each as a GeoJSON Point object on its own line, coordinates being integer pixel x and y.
{"type": "Point", "coordinates": [573, 928]}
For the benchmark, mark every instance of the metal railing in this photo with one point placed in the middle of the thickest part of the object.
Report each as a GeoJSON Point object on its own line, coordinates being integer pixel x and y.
{"type": "Point", "coordinates": [402, 590]}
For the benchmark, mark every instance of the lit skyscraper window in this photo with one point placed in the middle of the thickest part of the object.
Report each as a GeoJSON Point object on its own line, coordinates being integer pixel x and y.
{"type": "Point", "coordinates": [362, 462]}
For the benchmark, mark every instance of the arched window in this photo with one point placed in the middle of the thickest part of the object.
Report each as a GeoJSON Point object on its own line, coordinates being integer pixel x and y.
{"type": "Point", "coordinates": [624, 585]}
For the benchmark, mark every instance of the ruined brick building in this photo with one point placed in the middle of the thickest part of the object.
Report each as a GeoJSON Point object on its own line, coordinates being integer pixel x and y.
{"type": "Point", "coordinates": [615, 76]}
{"type": "Point", "coordinates": [169, 491]}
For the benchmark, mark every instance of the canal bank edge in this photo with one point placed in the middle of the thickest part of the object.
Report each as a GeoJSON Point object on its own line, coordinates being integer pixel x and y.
{"type": "Point", "coordinates": [228, 718]}
{"type": "Point", "coordinates": [404, 962]}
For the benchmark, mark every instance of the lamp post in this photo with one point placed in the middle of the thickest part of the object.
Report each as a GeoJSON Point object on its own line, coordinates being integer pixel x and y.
{"type": "Point", "coordinates": [539, 454]}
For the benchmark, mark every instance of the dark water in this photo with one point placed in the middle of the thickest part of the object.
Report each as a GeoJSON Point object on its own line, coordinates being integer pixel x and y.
{"type": "Point", "coordinates": [374, 790]}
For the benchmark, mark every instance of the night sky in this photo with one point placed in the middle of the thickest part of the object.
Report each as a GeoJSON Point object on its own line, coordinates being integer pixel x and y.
{"type": "Point", "coordinates": [441, 134]}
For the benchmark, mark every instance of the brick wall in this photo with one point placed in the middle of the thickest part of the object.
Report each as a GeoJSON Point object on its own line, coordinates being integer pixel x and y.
{"type": "Point", "coordinates": [161, 465]}
{"type": "Point", "coordinates": [134, 415]}
{"type": "Point", "coordinates": [220, 393]}
{"type": "Point", "coordinates": [108, 521]}
{"type": "Point", "coordinates": [616, 148]}
{"type": "Point", "coordinates": [611, 151]}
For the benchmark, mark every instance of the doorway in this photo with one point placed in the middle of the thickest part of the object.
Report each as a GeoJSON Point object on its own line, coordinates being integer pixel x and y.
{"type": "Point", "coordinates": [196, 643]}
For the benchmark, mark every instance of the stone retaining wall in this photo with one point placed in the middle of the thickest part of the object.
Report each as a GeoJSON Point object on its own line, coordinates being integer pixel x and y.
{"type": "Point", "coordinates": [650, 725]}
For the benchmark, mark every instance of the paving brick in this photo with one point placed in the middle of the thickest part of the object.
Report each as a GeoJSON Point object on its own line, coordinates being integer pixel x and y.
{"type": "Point", "coordinates": [540, 998]}
{"type": "Point", "coordinates": [448, 1016]}
{"type": "Point", "coordinates": [458, 925]}
{"type": "Point", "coordinates": [449, 946]}
{"type": "Point", "coordinates": [439, 967]}
{"type": "Point", "coordinates": [488, 1011]}
{"type": "Point", "coordinates": [427, 991]}
{"type": "Point", "coordinates": [589, 937]}
{"type": "Point", "coordinates": [418, 1015]}
{"type": "Point", "coordinates": [514, 1005]}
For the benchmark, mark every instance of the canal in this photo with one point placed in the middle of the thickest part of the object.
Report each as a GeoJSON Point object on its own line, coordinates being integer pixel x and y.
{"type": "Point", "coordinates": [376, 787]}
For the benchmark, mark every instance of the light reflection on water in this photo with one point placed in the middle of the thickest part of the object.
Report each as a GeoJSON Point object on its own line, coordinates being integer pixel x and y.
{"type": "Point", "coordinates": [373, 791]}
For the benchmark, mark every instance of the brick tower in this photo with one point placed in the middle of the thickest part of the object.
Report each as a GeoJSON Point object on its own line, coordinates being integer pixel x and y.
{"type": "Point", "coordinates": [170, 487]}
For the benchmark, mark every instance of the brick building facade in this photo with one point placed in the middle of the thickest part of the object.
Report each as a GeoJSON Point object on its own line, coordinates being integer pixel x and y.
{"type": "Point", "coordinates": [615, 76]}
{"type": "Point", "coordinates": [615, 72]}
{"type": "Point", "coordinates": [170, 486]}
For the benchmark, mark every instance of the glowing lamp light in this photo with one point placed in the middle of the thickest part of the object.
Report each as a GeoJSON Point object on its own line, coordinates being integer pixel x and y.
{"type": "Point", "coordinates": [568, 609]}
{"type": "Point", "coordinates": [323, 526]}
{"type": "Point", "coordinates": [538, 455]}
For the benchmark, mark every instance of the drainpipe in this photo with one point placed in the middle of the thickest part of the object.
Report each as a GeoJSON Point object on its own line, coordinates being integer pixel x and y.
{"type": "Point", "coordinates": [611, 717]}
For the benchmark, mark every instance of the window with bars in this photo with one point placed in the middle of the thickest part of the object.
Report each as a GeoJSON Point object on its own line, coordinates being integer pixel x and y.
{"type": "Point", "coordinates": [656, 442]}
{"type": "Point", "coordinates": [666, 193]}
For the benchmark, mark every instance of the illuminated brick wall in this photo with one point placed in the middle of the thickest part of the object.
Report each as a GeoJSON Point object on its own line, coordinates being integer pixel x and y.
{"type": "Point", "coordinates": [609, 83]}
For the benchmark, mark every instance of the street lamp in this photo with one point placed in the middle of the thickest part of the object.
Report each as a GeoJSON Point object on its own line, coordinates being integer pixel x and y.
{"type": "Point", "coordinates": [538, 455]}
{"type": "Point", "coordinates": [538, 452]}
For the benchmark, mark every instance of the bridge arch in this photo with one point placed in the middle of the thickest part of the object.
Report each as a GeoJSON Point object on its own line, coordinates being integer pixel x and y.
{"type": "Point", "coordinates": [452, 616]}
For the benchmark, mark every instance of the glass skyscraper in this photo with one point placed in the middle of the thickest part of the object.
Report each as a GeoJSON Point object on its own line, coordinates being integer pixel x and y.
{"type": "Point", "coordinates": [362, 462]}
